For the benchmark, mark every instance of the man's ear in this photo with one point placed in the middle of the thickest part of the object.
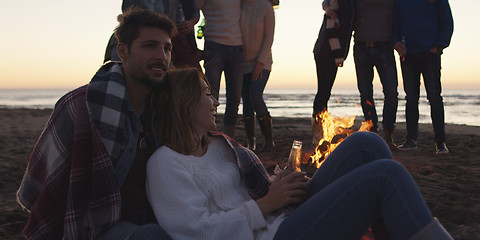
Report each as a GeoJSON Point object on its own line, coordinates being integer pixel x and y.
{"type": "Point", "coordinates": [122, 51]}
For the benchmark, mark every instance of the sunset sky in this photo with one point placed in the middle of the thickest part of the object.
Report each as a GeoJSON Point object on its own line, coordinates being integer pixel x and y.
{"type": "Point", "coordinates": [61, 43]}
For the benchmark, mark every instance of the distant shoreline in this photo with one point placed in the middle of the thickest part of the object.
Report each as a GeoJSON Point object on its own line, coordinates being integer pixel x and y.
{"type": "Point", "coordinates": [473, 129]}
{"type": "Point", "coordinates": [461, 107]}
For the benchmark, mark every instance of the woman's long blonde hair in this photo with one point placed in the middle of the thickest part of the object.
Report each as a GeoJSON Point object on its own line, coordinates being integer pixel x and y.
{"type": "Point", "coordinates": [176, 101]}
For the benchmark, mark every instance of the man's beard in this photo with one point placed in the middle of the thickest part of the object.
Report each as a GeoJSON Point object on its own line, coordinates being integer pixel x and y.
{"type": "Point", "coordinates": [150, 83]}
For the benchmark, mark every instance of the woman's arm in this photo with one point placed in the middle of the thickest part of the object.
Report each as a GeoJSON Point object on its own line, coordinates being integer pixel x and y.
{"type": "Point", "coordinates": [266, 47]}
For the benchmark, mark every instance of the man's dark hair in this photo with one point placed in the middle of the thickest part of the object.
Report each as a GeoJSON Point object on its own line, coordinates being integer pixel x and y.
{"type": "Point", "coordinates": [134, 18]}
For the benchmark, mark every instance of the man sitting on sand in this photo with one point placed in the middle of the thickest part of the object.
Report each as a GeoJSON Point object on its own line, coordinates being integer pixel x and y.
{"type": "Point", "coordinates": [86, 176]}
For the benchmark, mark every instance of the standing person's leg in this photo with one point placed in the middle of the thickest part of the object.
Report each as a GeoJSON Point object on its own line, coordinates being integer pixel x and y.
{"type": "Point", "coordinates": [264, 119]}
{"type": "Point", "coordinates": [433, 86]}
{"type": "Point", "coordinates": [214, 63]}
{"type": "Point", "coordinates": [387, 71]}
{"type": "Point", "coordinates": [411, 86]}
{"type": "Point", "coordinates": [257, 88]}
{"type": "Point", "coordinates": [233, 85]}
{"type": "Point", "coordinates": [345, 209]}
{"type": "Point", "coordinates": [364, 69]}
{"type": "Point", "coordinates": [248, 112]}
{"type": "Point", "coordinates": [326, 73]}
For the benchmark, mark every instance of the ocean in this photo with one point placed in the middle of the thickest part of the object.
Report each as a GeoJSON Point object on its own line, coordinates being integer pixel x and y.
{"type": "Point", "coordinates": [462, 107]}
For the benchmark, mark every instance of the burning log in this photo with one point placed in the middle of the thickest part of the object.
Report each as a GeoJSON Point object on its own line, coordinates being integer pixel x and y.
{"type": "Point", "coordinates": [334, 130]}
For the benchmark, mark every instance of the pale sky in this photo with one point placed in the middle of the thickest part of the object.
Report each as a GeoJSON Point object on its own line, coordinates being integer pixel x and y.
{"type": "Point", "coordinates": [61, 43]}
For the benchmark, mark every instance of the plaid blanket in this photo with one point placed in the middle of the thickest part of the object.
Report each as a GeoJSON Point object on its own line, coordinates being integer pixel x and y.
{"type": "Point", "coordinates": [254, 175]}
{"type": "Point", "coordinates": [70, 186]}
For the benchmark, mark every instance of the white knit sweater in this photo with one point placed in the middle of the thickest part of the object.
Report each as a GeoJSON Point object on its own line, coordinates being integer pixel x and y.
{"type": "Point", "coordinates": [257, 22]}
{"type": "Point", "coordinates": [203, 197]}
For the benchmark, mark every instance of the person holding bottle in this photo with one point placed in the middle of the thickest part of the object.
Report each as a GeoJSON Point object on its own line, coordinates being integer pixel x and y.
{"type": "Point", "coordinates": [204, 185]}
{"type": "Point", "coordinates": [371, 22]}
{"type": "Point", "coordinates": [257, 22]}
{"type": "Point", "coordinates": [422, 29]}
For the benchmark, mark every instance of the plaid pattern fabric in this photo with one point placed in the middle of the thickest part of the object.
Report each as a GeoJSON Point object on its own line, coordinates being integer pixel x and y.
{"type": "Point", "coordinates": [333, 25]}
{"type": "Point", "coordinates": [107, 102]}
{"type": "Point", "coordinates": [253, 173]}
{"type": "Point", "coordinates": [69, 185]}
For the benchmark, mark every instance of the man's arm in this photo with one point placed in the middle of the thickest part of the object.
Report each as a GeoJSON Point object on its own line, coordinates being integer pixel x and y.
{"type": "Point", "coordinates": [187, 27]}
{"type": "Point", "coordinates": [201, 3]}
{"type": "Point", "coordinates": [445, 20]}
{"type": "Point", "coordinates": [398, 44]}
{"type": "Point", "coordinates": [328, 10]}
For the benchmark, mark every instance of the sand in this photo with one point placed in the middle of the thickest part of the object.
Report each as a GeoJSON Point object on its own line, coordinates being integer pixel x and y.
{"type": "Point", "coordinates": [449, 183]}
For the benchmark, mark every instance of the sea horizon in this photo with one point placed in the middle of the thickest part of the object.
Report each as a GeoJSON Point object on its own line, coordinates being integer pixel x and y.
{"type": "Point", "coordinates": [462, 106]}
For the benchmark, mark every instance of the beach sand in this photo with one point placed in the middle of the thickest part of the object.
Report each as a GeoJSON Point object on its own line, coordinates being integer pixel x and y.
{"type": "Point", "coordinates": [450, 183]}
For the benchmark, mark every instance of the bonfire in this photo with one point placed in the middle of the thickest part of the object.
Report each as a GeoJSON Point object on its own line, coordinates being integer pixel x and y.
{"type": "Point", "coordinates": [333, 131]}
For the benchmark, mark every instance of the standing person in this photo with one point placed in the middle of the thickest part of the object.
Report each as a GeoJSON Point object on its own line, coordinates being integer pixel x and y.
{"type": "Point", "coordinates": [326, 51]}
{"type": "Point", "coordinates": [185, 13]}
{"type": "Point", "coordinates": [223, 52]}
{"type": "Point", "coordinates": [422, 29]}
{"type": "Point", "coordinates": [257, 22]}
{"type": "Point", "coordinates": [86, 176]}
{"type": "Point", "coordinates": [203, 185]}
{"type": "Point", "coordinates": [373, 48]}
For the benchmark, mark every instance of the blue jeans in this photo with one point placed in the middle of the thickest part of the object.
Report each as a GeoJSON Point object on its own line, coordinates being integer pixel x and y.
{"type": "Point", "coordinates": [382, 58]}
{"type": "Point", "coordinates": [427, 64]}
{"type": "Point", "coordinates": [130, 231]}
{"type": "Point", "coordinates": [220, 58]}
{"type": "Point", "coordinates": [357, 187]}
{"type": "Point", "coordinates": [252, 94]}
{"type": "Point", "coordinates": [326, 73]}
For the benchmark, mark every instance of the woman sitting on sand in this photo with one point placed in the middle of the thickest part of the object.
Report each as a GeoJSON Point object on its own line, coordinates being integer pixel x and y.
{"type": "Point", "coordinates": [203, 185]}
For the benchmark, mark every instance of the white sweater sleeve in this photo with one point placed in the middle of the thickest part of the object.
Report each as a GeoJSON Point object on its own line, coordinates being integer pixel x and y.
{"type": "Point", "coordinates": [181, 208]}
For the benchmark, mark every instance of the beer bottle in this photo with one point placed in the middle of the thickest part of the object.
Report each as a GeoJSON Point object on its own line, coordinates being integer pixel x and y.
{"type": "Point", "coordinates": [200, 29]}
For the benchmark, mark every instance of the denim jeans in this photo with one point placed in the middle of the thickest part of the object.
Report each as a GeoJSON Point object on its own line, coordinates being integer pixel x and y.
{"type": "Point", "coordinates": [359, 186]}
{"type": "Point", "coordinates": [252, 94]}
{"type": "Point", "coordinates": [326, 73]}
{"type": "Point", "coordinates": [220, 58]}
{"type": "Point", "coordinates": [428, 65]}
{"type": "Point", "coordinates": [130, 231]}
{"type": "Point", "coordinates": [382, 58]}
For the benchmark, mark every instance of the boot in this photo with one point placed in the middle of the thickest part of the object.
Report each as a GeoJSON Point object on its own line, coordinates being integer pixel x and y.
{"type": "Point", "coordinates": [266, 127]}
{"type": "Point", "coordinates": [433, 230]}
{"type": "Point", "coordinates": [388, 137]}
{"type": "Point", "coordinates": [249, 123]}
{"type": "Point", "coordinates": [317, 130]}
{"type": "Point", "coordinates": [229, 130]}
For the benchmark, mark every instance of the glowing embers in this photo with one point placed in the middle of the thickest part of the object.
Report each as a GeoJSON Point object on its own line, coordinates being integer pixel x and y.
{"type": "Point", "coordinates": [329, 132]}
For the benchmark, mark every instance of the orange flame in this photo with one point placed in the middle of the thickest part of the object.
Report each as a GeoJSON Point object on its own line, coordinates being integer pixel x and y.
{"type": "Point", "coordinates": [334, 130]}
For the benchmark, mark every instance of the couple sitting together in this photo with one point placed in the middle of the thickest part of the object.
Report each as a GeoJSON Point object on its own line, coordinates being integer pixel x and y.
{"type": "Point", "coordinates": [133, 155]}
